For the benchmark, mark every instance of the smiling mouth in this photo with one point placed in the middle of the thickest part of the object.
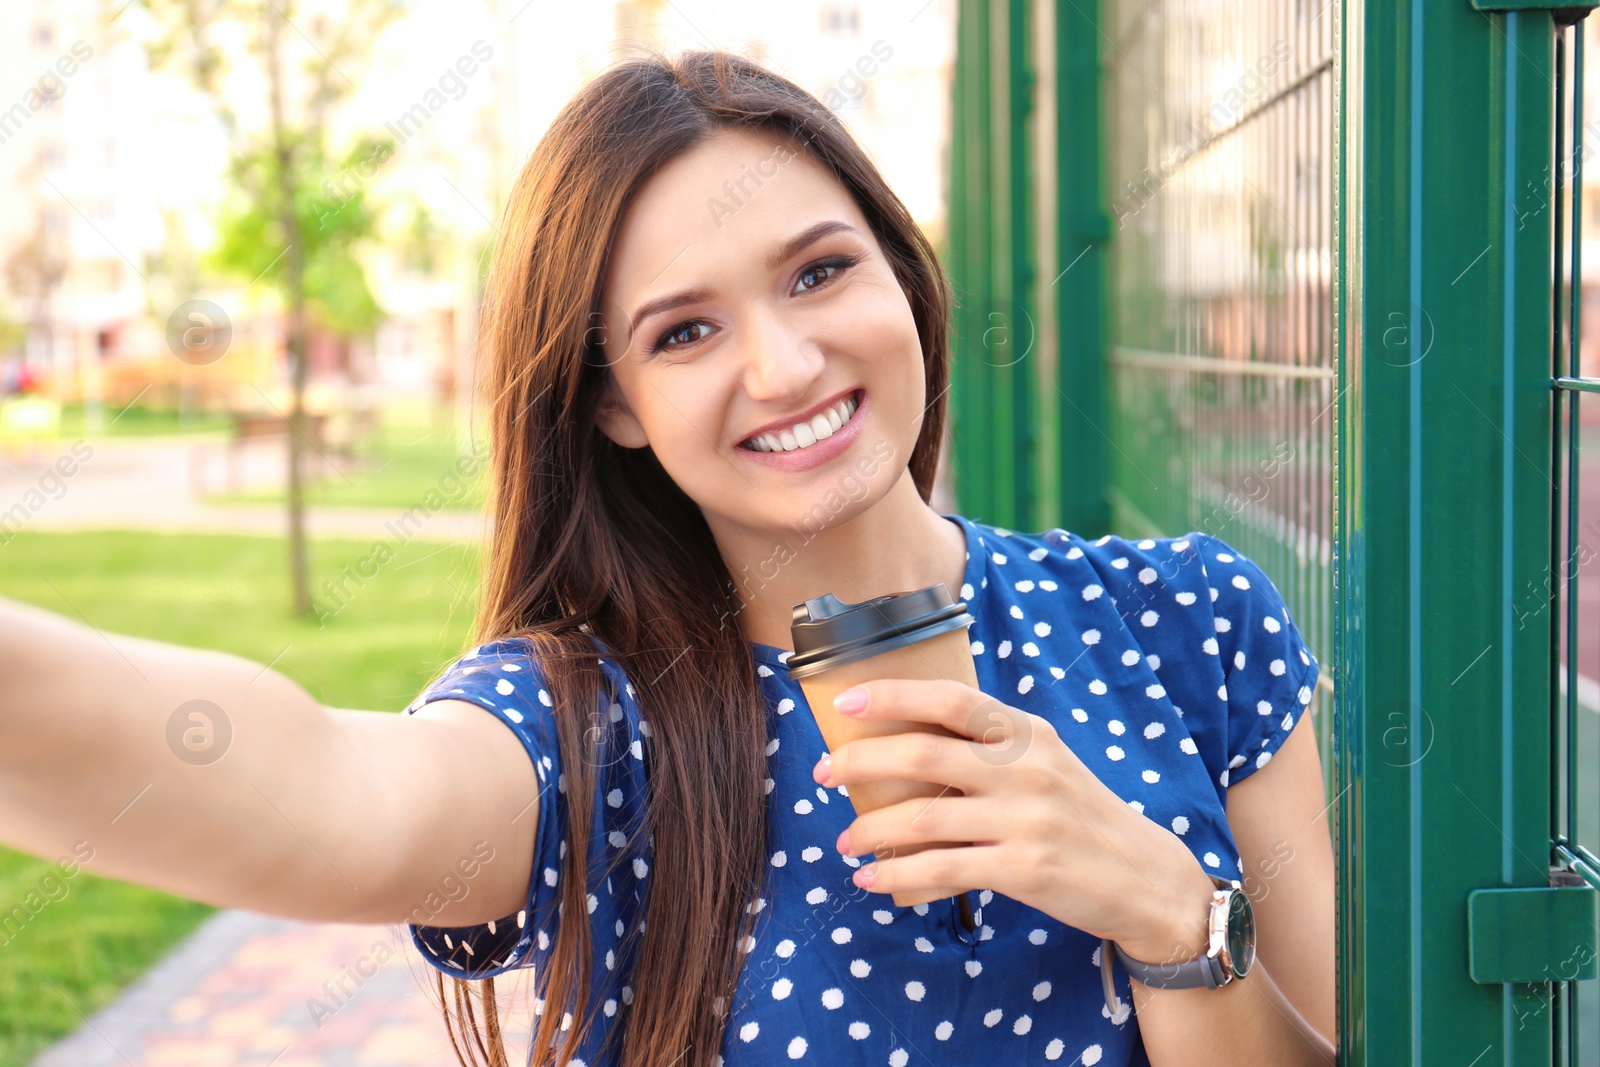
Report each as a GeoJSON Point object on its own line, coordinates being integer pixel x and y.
{"type": "Point", "coordinates": [803, 435]}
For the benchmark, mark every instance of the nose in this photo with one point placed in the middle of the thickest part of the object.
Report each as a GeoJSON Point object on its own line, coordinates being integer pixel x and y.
{"type": "Point", "coordinates": [781, 362]}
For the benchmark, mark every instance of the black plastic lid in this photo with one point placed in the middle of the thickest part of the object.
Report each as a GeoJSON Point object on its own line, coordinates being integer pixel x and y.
{"type": "Point", "coordinates": [829, 632]}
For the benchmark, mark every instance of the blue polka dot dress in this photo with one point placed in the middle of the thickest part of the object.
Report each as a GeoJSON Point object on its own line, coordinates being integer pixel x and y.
{"type": "Point", "coordinates": [1170, 666]}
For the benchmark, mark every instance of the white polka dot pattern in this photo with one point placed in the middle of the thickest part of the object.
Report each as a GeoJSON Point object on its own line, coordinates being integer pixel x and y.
{"type": "Point", "coordinates": [1169, 665]}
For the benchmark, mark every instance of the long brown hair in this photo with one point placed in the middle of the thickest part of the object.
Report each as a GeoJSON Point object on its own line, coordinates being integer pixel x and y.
{"type": "Point", "coordinates": [592, 540]}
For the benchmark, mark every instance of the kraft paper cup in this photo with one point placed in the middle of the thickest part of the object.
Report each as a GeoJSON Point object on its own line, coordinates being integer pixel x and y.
{"type": "Point", "coordinates": [947, 655]}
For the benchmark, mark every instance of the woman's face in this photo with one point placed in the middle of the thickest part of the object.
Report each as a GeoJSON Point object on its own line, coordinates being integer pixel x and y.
{"type": "Point", "coordinates": [745, 292]}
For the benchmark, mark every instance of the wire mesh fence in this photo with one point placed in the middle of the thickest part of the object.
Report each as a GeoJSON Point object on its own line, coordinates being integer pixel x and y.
{"type": "Point", "coordinates": [1574, 507]}
{"type": "Point", "coordinates": [1220, 149]}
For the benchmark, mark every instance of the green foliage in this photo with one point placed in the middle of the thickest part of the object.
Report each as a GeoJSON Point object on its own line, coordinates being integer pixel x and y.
{"type": "Point", "coordinates": [331, 213]}
{"type": "Point", "coordinates": [13, 334]}
{"type": "Point", "coordinates": [172, 271]}
{"type": "Point", "coordinates": [423, 242]}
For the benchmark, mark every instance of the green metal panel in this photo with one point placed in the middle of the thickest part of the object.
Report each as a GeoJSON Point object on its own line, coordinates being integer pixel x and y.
{"type": "Point", "coordinates": [995, 443]}
{"type": "Point", "coordinates": [1217, 414]}
{"type": "Point", "coordinates": [1531, 5]}
{"type": "Point", "coordinates": [1027, 189]}
{"type": "Point", "coordinates": [956, 241]}
{"type": "Point", "coordinates": [1010, 363]}
{"type": "Point", "coordinates": [973, 442]}
{"type": "Point", "coordinates": [1445, 320]}
{"type": "Point", "coordinates": [1076, 282]}
{"type": "Point", "coordinates": [1533, 935]}
{"type": "Point", "coordinates": [998, 321]}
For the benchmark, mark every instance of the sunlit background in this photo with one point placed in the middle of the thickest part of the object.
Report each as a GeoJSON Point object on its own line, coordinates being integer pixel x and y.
{"type": "Point", "coordinates": [148, 409]}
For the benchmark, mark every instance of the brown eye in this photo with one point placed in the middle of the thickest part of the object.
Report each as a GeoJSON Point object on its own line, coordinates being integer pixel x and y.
{"type": "Point", "coordinates": [816, 271]}
{"type": "Point", "coordinates": [675, 337]}
{"type": "Point", "coordinates": [834, 266]}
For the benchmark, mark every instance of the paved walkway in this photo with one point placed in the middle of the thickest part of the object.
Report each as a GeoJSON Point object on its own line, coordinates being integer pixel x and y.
{"type": "Point", "coordinates": [160, 483]}
{"type": "Point", "coordinates": [248, 989]}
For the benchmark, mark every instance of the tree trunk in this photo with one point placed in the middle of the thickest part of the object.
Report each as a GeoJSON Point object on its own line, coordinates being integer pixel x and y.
{"type": "Point", "coordinates": [296, 341]}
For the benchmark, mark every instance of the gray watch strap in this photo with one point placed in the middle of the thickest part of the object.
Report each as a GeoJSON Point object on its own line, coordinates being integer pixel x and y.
{"type": "Point", "coordinates": [1208, 971]}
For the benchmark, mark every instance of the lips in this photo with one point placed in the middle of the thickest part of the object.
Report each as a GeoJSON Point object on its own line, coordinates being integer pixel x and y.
{"type": "Point", "coordinates": [805, 430]}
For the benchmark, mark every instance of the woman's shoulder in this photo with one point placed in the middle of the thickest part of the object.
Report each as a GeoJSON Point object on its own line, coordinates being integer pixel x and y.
{"type": "Point", "coordinates": [1176, 561]}
{"type": "Point", "coordinates": [1206, 617]}
{"type": "Point", "coordinates": [517, 653]}
{"type": "Point", "coordinates": [509, 676]}
{"type": "Point", "coordinates": [1063, 543]}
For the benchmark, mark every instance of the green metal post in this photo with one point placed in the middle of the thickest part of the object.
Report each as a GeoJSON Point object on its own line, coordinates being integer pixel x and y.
{"type": "Point", "coordinates": [958, 226]}
{"type": "Point", "coordinates": [973, 443]}
{"type": "Point", "coordinates": [1078, 290]}
{"type": "Point", "coordinates": [991, 264]}
{"type": "Point", "coordinates": [1016, 363]}
{"type": "Point", "coordinates": [1442, 653]}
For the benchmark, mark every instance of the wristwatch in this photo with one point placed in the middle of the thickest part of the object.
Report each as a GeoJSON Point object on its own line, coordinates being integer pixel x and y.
{"type": "Point", "coordinates": [1230, 949]}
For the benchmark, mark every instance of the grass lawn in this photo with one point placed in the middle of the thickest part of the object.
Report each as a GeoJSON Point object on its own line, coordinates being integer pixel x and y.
{"type": "Point", "coordinates": [222, 592]}
{"type": "Point", "coordinates": [140, 421]}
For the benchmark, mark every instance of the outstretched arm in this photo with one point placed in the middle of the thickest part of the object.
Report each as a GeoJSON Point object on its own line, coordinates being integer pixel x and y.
{"type": "Point", "coordinates": [267, 800]}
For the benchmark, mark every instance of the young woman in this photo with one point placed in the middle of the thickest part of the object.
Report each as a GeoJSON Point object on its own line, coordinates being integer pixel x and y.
{"type": "Point", "coordinates": [717, 370]}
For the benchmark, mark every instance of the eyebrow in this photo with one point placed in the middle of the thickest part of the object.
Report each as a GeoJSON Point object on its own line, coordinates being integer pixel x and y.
{"type": "Point", "coordinates": [799, 241]}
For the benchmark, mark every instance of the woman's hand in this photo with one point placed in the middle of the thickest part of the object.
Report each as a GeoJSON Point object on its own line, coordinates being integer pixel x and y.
{"type": "Point", "coordinates": [1033, 822]}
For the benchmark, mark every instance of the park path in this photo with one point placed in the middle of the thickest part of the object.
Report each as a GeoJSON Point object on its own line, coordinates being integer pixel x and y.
{"type": "Point", "coordinates": [249, 990]}
{"type": "Point", "coordinates": [158, 484]}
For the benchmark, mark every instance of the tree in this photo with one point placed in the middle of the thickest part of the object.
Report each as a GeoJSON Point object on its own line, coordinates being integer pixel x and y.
{"type": "Point", "coordinates": [13, 334]}
{"type": "Point", "coordinates": [35, 266]}
{"type": "Point", "coordinates": [301, 242]}
{"type": "Point", "coordinates": [330, 226]}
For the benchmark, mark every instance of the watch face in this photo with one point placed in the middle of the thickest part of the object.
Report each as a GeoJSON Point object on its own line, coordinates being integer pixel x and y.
{"type": "Point", "coordinates": [1241, 933]}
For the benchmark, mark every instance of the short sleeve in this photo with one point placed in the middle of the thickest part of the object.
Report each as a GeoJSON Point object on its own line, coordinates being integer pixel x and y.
{"type": "Point", "coordinates": [505, 680]}
{"type": "Point", "coordinates": [1269, 671]}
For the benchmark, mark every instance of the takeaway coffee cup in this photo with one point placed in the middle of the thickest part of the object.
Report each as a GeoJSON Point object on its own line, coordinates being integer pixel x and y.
{"type": "Point", "coordinates": [920, 634]}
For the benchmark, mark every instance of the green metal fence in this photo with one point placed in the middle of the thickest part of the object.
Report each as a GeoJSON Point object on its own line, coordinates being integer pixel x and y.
{"type": "Point", "coordinates": [1141, 238]}
{"type": "Point", "coordinates": [995, 396]}
{"type": "Point", "coordinates": [1459, 920]}
{"type": "Point", "coordinates": [1198, 199]}
{"type": "Point", "coordinates": [1575, 730]}
{"type": "Point", "coordinates": [1220, 170]}
{"type": "Point", "coordinates": [1300, 273]}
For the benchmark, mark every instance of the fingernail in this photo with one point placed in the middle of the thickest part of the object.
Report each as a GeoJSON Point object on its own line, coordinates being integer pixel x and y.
{"type": "Point", "coordinates": [823, 768]}
{"type": "Point", "coordinates": [850, 702]}
{"type": "Point", "coordinates": [863, 876]}
{"type": "Point", "coordinates": [843, 844]}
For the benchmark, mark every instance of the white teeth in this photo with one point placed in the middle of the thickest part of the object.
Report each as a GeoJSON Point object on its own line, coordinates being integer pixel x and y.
{"type": "Point", "coordinates": [805, 434]}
